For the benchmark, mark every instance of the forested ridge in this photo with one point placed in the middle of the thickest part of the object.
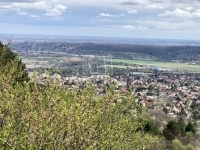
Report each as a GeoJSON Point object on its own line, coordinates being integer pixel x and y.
{"type": "Point", "coordinates": [162, 53]}
{"type": "Point", "coordinates": [34, 116]}
{"type": "Point", "coordinates": [185, 53]}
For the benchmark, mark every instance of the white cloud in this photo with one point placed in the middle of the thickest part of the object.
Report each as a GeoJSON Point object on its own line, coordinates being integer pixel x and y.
{"type": "Point", "coordinates": [105, 20]}
{"type": "Point", "coordinates": [189, 8]}
{"type": "Point", "coordinates": [155, 6]}
{"type": "Point", "coordinates": [5, 7]}
{"type": "Point", "coordinates": [58, 10]}
{"type": "Point", "coordinates": [196, 13]}
{"type": "Point", "coordinates": [61, 7]}
{"type": "Point", "coordinates": [51, 8]}
{"type": "Point", "coordinates": [129, 27]}
{"type": "Point", "coordinates": [106, 15]}
{"type": "Point", "coordinates": [178, 13]}
{"type": "Point", "coordinates": [163, 27]}
{"type": "Point", "coordinates": [33, 16]}
{"type": "Point", "coordinates": [22, 13]}
{"type": "Point", "coordinates": [42, 5]}
{"type": "Point", "coordinates": [142, 28]}
{"type": "Point", "coordinates": [169, 24]}
{"type": "Point", "coordinates": [132, 12]}
{"type": "Point", "coordinates": [20, 1]}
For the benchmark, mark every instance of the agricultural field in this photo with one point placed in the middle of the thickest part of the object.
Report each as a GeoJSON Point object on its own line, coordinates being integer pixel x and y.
{"type": "Point", "coordinates": [48, 61]}
{"type": "Point", "coordinates": [172, 65]}
{"type": "Point", "coordinates": [62, 61]}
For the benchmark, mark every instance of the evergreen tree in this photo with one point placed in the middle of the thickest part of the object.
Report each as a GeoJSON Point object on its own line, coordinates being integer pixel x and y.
{"type": "Point", "coordinates": [11, 67]}
{"type": "Point", "coordinates": [182, 125]}
{"type": "Point", "coordinates": [150, 127]}
{"type": "Point", "coordinates": [171, 130]}
{"type": "Point", "coordinates": [190, 128]}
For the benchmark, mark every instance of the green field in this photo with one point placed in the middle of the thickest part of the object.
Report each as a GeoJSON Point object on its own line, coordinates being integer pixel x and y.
{"type": "Point", "coordinates": [116, 66]}
{"type": "Point", "coordinates": [173, 65]}
{"type": "Point", "coordinates": [48, 61]}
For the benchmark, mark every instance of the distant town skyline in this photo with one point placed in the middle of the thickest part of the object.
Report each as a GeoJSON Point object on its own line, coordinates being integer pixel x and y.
{"type": "Point", "coordinates": [164, 19]}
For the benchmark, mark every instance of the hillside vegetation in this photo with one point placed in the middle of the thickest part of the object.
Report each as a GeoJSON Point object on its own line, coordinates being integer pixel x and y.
{"type": "Point", "coordinates": [34, 116]}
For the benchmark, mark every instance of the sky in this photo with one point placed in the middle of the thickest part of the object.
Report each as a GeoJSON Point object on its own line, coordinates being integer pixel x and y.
{"type": "Point", "coordinates": [162, 19]}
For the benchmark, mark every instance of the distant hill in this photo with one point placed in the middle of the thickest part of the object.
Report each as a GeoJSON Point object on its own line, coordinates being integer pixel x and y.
{"type": "Point", "coordinates": [129, 51]}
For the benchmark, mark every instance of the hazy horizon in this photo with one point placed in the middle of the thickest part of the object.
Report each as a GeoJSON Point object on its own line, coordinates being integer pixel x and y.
{"type": "Point", "coordinates": [156, 19]}
{"type": "Point", "coordinates": [95, 39]}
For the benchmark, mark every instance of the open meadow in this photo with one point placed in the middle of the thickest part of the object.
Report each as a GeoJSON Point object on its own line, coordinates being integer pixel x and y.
{"type": "Point", "coordinates": [50, 61]}
{"type": "Point", "coordinates": [172, 65]}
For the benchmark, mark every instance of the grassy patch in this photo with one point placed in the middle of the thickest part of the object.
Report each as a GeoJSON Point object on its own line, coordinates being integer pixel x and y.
{"type": "Point", "coordinates": [173, 65]}
{"type": "Point", "coordinates": [116, 66]}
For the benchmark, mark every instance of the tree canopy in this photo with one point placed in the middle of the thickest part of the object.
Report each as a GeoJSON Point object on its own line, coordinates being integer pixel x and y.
{"type": "Point", "coordinates": [11, 67]}
{"type": "Point", "coordinates": [53, 117]}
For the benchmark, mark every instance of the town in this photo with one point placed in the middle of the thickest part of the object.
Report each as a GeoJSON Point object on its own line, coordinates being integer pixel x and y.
{"type": "Point", "coordinates": [172, 92]}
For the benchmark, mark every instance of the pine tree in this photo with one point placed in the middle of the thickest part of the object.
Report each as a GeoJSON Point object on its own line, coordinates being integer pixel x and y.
{"type": "Point", "coordinates": [182, 125]}
{"type": "Point", "coordinates": [11, 67]}
{"type": "Point", "coordinates": [190, 128]}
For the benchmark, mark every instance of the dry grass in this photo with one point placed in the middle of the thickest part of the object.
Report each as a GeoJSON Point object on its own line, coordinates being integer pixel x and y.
{"type": "Point", "coordinates": [74, 59]}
